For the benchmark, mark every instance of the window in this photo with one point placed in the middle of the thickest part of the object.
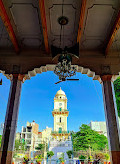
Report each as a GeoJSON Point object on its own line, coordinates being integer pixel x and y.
{"type": "Point", "coordinates": [24, 129]}
{"type": "Point", "coordinates": [29, 129]}
{"type": "Point", "coordinates": [28, 135]}
{"type": "Point", "coordinates": [60, 119]}
{"type": "Point", "coordinates": [28, 141]}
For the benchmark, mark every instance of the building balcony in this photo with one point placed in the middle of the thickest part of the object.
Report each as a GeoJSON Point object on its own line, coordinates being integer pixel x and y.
{"type": "Point", "coordinates": [60, 133]}
{"type": "Point", "coordinates": [26, 133]}
{"type": "Point", "coordinates": [65, 112]}
{"type": "Point", "coordinates": [60, 109]}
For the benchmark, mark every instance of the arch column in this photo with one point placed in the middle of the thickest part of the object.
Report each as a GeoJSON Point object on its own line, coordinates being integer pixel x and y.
{"type": "Point", "coordinates": [11, 117]}
{"type": "Point", "coordinates": [111, 115]}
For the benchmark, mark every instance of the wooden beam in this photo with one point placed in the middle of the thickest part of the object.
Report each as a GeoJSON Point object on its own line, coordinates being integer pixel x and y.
{"type": "Point", "coordinates": [8, 25]}
{"type": "Point", "coordinates": [113, 33]}
{"type": "Point", "coordinates": [28, 60]}
{"type": "Point", "coordinates": [81, 21]}
{"type": "Point", "coordinates": [44, 24]}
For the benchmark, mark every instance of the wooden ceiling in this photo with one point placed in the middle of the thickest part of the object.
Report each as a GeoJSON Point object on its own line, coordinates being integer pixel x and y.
{"type": "Point", "coordinates": [28, 28]}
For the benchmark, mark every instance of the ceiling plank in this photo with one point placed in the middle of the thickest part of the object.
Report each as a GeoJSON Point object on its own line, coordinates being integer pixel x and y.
{"type": "Point", "coordinates": [5, 18]}
{"type": "Point", "coordinates": [113, 33]}
{"type": "Point", "coordinates": [81, 21]}
{"type": "Point", "coordinates": [44, 24]}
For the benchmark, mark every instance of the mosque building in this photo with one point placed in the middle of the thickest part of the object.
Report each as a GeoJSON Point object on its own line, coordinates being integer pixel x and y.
{"type": "Point", "coordinates": [60, 114]}
{"type": "Point", "coordinates": [61, 138]}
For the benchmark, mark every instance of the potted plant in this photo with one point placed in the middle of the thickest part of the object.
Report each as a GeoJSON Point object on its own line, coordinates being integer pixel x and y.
{"type": "Point", "coordinates": [82, 158]}
{"type": "Point", "coordinates": [90, 159]}
{"type": "Point", "coordinates": [69, 153]}
{"type": "Point", "coordinates": [25, 159]}
{"type": "Point", "coordinates": [39, 158]}
{"type": "Point", "coordinates": [107, 157]}
{"type": "Point", "coordinates": [50, 154]}
{"type": "Point", "coordinates": [62, 161]}
{"type": "Point", "coordinates": [32, 162]}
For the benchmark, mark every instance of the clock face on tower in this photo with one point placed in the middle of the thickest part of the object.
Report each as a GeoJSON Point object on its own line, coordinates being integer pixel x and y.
{"type": "Point", "coordinates": [60, 104]}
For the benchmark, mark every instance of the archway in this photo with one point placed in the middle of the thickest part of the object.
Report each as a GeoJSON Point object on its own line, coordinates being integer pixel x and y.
{"type": "Point", "coordinates": [106, 82]}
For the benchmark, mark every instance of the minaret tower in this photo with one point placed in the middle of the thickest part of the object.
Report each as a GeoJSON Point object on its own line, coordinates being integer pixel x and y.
{"type": "Point", "coordinates": [60, 114]}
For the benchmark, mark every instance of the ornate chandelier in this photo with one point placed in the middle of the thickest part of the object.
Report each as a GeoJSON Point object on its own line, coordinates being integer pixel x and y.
{"type": "Point", "coordinates": [64, 68]}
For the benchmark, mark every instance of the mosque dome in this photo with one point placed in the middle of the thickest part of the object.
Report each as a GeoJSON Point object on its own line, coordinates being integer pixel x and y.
{"type": "Point", "coordinates": [60, 92]}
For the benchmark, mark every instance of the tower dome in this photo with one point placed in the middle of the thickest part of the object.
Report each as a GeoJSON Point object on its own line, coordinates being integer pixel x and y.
{"type": "Point", "coordinates": [60, 92]}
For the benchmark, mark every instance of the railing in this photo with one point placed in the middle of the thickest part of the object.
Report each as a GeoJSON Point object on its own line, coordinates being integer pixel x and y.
{"type": "Point", "coordinates": [58, 110]}
{"type": "Point", "coordinates": [61, 145]}
{"type": "Point", "coordinates": [57, 161]}
{"type": "Point", "coordinates": [60, 132]}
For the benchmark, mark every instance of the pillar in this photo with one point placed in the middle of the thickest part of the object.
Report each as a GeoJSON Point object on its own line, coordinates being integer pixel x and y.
{"type": "Point", "coordinates": [111, 118]}
{"type": "Point", "coordinates": [11, 117]}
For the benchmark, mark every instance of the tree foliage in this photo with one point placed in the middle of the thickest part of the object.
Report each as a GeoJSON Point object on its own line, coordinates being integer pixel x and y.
{"type": "Point", "coordinates": [107, 156]}
{"type": "Point", "coordinates": [117, 93]}
{"type": "Point", "coordinates": [25, 159]}
{"type": "Point", "coordinates": [61, 159]}
{"type": "Point", "coordinates": [0, 140]}
{"type": "Point", "coordinates": [69, 153]}
{"type": "Point", "coordinates": [40, 147]}
{"type": "Point", "coordinates": [50, 154]}
{"type": "Point", "coordinates": [39, 158]}
{"type": "Point", "coordinates": [82, 158]}
{"type": "Point", "coordinates": [19, 145]}
{"type": "Point", "coordinates": [86, 138]}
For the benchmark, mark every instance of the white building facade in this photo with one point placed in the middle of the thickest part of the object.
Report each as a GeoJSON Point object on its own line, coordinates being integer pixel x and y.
{"type": "Point", "coordinates": [99, 126]}
{"type": "Point", "coordinates": [29, 134]}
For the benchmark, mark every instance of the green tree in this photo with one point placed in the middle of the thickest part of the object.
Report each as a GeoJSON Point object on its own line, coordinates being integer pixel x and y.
{"type": "Point", "coordinates": [39, 158]}
{"type": "Point", "coordinates": [20, 145]}
{"type": "Point", "coordinates": [107, 156]}
{"type": "Point", "coordinates": [25, 159]}
{"type": "Point", "coordinates": [40, 147]}
{"type": "Point", "coordinates": [87, 138]}
{"type": "Point", "coordinates": [0, 140]}
{"type": "Point", "coordinates": [69, 153]}
{"type": "Point", "coordinates": [50, 154]}
{"type": "Point", "coordinates": [82, 158]}
{"type": "Point", "coordinates": [117, 93]}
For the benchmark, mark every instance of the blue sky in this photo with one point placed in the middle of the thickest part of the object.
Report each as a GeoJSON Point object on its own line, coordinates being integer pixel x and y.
{"type": "Point", "coordinates": [85, 101]}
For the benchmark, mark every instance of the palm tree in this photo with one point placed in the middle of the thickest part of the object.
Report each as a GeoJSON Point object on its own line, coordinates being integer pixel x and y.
{"type": "Point", "coordinates": [50, 154]}
{"type": "Point", "coordinates": [69, 153]}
